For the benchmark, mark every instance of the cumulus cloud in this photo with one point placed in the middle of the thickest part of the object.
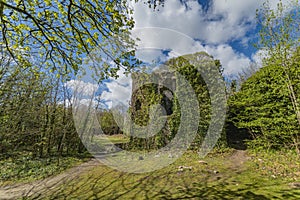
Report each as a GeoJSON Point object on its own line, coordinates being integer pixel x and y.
{"type": "Point", "coordinates": [181, 44]}
{"type": "Point", "coordinates": [258, 56]}
{"type": "Point", "coordinates": [119, 91]}
{"type": "Point", "coordinates": [211, 29]}
{"type": "Point", "coordinates": [233, 61]}
{"type": "Point", "coordinates": [150, 55]}
{"type": "Point", "coordinates": [213, 26]}
{"type": "Point", "coordinates": [83, 93]}
{"type": "Point", "coordinates": [81, 87]}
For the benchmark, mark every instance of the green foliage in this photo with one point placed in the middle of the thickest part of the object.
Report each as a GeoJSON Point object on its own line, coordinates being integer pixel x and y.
{"type": "Point", "coordinates": [34, 113]}
{"type": "Point", "coordinates": [142, 110]}
{"type": "Point", "coordinates": [60, 33]}
{"type": "Point", "coordinates": [279, 38]}
{"type": "Point", "coordinates": [264, 108]}
{"type": "Point", "coordinates": [267, 104]}
{"type": "Point", "coordinates": [151, 94]}
{"type": "Point", "coordinates": [194, 78]}
{"type": "Point", "coordinates": [107, 123]}
{"type": "Point", "coordinates": [279, 29]}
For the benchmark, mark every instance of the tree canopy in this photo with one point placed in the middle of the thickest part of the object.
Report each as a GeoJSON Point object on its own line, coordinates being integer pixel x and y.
{"type": "Point", "coordinates": [263, 106]}
{"type": "Point", "coordinates": [280, 38]}
{"type": "Point", "coordinates": [62, 32]}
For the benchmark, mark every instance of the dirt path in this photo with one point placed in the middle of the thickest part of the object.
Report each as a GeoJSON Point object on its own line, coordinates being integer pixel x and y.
{"type": "Point", "coordinates": [237, 159]}
{"type": "Point", "coordinates": [38, 187]}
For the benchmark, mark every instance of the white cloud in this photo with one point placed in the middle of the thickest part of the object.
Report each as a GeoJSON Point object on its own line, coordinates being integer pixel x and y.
{"type": "Point", "coordinates": [232, 61]}
{"type": "Point", "coordinates": [224, 21]}
{"type": "Point", "coordinates": [150, 55]}
{"type": "Point", "coordinates": [82, 88]}
{"type": "Point", "coordinates": [180, 44]}
{"type": "Point", "coordinates": [184, 29]}
{"type": "Point", "coordinates": [189, 28]}
{"type": "Point", "coordinates": [119, 90]}
{"type": "Point", "coordinates": [83, 93]}
{"type": "Point", "coordinates": [258, 57]}
{"type": "Point", "coordinates": [164, 38]}
{"type": "Point", "coordinates": [222, 17]}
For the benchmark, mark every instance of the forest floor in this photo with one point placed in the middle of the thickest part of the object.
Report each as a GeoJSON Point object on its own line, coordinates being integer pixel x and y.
{"type": "Point", "coordinates": [231, 175]}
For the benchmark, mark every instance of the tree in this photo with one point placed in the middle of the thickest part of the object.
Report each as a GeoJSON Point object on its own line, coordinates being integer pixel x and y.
{"type": "Point", "coordinates": [41, 44]}
{"type": "Point", "coordinates": [34, 114]}
{"type": "Point", "coordinates": [107, 122]}
{"type": "Point", "coordinates": [155, 3]}
{"type": "Point", "coordinates": [21, 96]}
{"type": "Point", "coordinates": [62, 32]}
{"type": "Point", "coordinates": [263, 107]}
{"type": "Point", "coordinates": [280, 37]}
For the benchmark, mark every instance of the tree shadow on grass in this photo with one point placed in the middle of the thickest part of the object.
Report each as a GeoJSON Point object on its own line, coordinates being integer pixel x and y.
{"type": "Point", "coordinates": [111, 184]}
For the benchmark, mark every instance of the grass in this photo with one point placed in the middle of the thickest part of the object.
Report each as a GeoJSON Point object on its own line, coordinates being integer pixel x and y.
{"type": "Point", "coordinates": [216, 180]}
{"type": "Point", "coordinates": [24, 168]}
{"type": "Point", "coordinates": [115, 139]}
{"type": "Point", "coordinates": [265, 175]}
{"type": "Point", "coordinates": [283, 163]}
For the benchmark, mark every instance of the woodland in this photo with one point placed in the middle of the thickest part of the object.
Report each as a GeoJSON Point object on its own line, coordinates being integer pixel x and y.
{"type": "Point", "coordinates": [38, 137]}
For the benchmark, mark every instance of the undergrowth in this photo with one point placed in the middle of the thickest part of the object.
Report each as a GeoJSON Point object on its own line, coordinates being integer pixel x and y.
{"type": "Point", "coordinates": [25, 168]}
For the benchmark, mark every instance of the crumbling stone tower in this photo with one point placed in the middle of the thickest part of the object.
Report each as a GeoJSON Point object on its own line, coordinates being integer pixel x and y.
{"type": "Point", "coordinates": [162, 87]}
{"type": "Point", "coordinates": [157, 87]}
{"type": "Point", "coordinates": [148, 89]}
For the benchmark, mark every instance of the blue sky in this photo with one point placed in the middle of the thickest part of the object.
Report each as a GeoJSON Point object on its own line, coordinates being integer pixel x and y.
{"type": "Point", "coordinates": [225, 29]}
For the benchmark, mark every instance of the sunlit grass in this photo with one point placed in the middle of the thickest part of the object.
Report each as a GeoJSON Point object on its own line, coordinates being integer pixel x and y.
{"type": "Point", "coordinates": [115, 139]}
{"type": "Point", "coordinates": [217, 179]}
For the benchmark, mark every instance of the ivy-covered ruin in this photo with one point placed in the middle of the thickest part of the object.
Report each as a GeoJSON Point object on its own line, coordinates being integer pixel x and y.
{"type": "Point", "coordinates": [160, 88]}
